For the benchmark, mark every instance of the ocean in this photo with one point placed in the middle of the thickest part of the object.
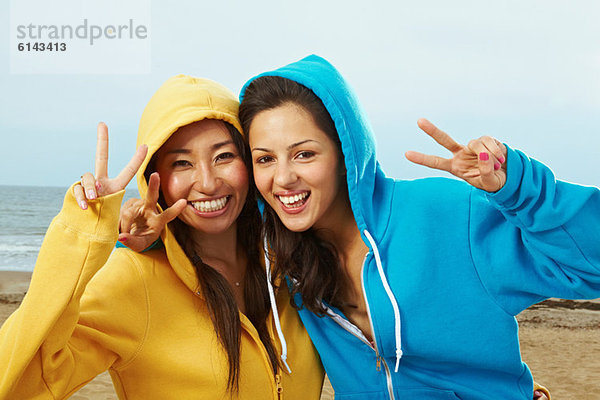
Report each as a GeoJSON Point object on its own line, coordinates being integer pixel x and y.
{"type": "Point", "coordinates": [25, 214]}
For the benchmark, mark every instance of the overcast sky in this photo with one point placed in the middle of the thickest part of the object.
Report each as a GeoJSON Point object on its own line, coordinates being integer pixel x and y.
{"type": "Point", "coordinates": [526, 72]}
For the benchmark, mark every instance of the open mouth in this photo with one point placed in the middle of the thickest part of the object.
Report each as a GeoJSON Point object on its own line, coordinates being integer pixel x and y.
{"type": "Point", "coordinates": [294, 201]}
{"type": "Point", "coordinates": [210, 205]}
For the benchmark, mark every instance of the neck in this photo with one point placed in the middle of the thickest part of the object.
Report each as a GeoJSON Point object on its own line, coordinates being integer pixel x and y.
{"type": "Point", "coordinates": [342, 232]}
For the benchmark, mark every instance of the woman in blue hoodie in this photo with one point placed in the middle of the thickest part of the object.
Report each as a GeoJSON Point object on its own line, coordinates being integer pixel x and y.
{"type": "Point", "coordinates": [409, 289]}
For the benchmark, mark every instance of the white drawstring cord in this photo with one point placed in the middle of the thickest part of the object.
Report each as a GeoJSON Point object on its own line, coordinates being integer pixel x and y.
{"type": "Point", "coordinates": [391, 297]}
{"type": "Point", "coordinates": [275, 313]}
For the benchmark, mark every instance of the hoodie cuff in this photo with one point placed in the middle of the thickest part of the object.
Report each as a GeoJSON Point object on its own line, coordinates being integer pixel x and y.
{"type": "Point", "coordinates": [514, 177]}
{"type": "Point", "coordinates": [99, 221]}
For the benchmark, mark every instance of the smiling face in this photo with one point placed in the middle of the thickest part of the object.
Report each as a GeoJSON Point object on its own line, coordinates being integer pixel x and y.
{"type": "Point", "coordinates": [201, 163]}
{"type": "Point", "coordinates": [297, 168]}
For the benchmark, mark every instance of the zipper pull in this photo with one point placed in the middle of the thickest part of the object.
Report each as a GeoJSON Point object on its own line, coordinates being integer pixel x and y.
{"type": "Point", "coordinates": [279, 387]}
{"type": "Point", "coordinates": [378, 367]}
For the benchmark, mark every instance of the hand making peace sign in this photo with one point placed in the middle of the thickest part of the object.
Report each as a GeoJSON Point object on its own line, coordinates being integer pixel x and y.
{"type": "Point", "coordinates": [482, 162]}
{"type": "Point", "coordinates": [140, 221]}
{"type": "Point", "coordinates": [91, 186]}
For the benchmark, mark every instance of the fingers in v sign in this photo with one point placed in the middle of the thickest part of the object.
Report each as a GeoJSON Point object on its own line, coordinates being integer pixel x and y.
{"type": "Point", "coordinates": [94, 186]}
{"type": "Point", "coordinates": [481, 163]}
{"type": "Point", "coordinates": [140, 221]}
{"type": "Point", "coordinates": [106, 185]}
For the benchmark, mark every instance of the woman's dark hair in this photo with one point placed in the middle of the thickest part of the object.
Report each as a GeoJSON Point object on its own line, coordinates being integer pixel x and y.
{"type": "Point", "coordinates": [311, 262]}
{"type": "Point", "coordinates": [221, 304]}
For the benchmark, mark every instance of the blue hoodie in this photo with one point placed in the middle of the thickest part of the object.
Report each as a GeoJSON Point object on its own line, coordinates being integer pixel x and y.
{"type": "Point", "coordinates": [449, 267]}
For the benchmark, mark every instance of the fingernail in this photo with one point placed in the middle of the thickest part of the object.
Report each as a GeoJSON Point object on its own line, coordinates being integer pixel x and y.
{"type": "Point", "coordinates": [537, 393]}
{"type": "Point", "coordinates": [98, 186]}
{"type": "Point", "coordinates": [122, 239]}
{"type": "Point", "coordinates": [501, 159]}
{"type": "Point", "coordinates": [90, 194]}
{"type": "Point", "coordinates": [497, 165]}
{"type": "Point", "coordinates": [483, 156]}
{"type": "Point", "coordinates": [83, 205]}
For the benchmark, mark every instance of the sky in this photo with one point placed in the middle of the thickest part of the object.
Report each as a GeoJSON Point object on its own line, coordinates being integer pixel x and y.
{"type": "Point", "coordinates": [526, 72]}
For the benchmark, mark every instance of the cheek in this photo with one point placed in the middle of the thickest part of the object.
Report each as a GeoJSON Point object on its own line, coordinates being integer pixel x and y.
{"type": "Point", "coordinates": [237, 175]}
{"type": "Point", "coordinates": [326, 179]}
{"type": "Point", "coordinates": [172, 187]}
{"type": "Point", "coordinates": [262, 177]}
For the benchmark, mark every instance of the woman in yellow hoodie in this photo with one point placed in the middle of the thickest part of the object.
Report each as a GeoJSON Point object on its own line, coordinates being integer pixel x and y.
{"type": "Point", "coordinates": [189, 320]}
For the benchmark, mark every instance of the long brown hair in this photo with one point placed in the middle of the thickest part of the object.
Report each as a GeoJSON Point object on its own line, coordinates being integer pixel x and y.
{"type": "Point", "coordinates": [220, 301]}
{"type": "Point", "coordinates": [311, 262]}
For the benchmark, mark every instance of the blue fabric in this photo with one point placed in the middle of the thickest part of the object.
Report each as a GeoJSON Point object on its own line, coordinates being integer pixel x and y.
{"type": "Point", "coordinates": [461, 263]}
{"type": "Point", "coordinates": [157, 244]}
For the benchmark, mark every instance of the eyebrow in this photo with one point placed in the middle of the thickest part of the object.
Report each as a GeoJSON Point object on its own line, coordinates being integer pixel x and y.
{"type": "Point", "coordinates": [291, 146]}
{"type": "Point", "coordinates": [217, 146]}
{"type": "Point", "coordinates": [213, 147]}
{"type": "Point", "coordinates": [179, 151]}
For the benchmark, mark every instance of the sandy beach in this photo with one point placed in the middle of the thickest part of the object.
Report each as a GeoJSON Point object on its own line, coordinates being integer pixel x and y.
{"type": "Point", "coordinates": [560, 341]}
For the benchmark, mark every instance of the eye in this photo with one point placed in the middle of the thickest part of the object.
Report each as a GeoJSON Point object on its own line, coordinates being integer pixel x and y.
{"type": "Point", "coordinates": [225, 156]}
{"type": "Point", "coordinates": [303, 155]}
{"type": "Point", "coordinates": [181, 163]}
{"type": "Point", "coordinates": [263, 160]}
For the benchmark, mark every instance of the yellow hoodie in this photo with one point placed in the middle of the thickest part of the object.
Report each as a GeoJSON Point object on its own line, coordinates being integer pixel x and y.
{"type": "Point", "coordinates": [141, 316]}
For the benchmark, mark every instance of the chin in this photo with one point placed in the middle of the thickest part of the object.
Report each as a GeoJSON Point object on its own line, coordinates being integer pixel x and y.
{"type": "Point", "coordinates": [209, 227]}
{"type": "Point", "coordinates": [214, 229]}
{"type": "Point", "coordinates": [295, 226]}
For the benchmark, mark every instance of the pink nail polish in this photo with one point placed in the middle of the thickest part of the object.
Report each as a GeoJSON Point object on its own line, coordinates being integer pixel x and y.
{"type": "Point", "coordinates": [483, 156]}
{"type": "Point", "coordinates": [497, 166]}
{"type": "Point", "coordinates": [502, 159]}
{"type": "Point", "coordinates": [83, 205]}
{"type": "Point", "coordinates": [98, 186]}
{"type": "Point", "coordinates": [123, 240]}
{"type": "Point", "coordinates": [91, 194]}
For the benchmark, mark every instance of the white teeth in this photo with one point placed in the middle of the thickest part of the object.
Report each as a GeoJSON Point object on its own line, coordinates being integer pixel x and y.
{"type": "Point", "coordinates": [287, 200]}
{"type": "Point", "coordinates": [210, 205]}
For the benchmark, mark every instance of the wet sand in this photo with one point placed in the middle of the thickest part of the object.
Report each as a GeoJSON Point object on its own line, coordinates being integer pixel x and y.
{"type": "Point", "coordinates": [560, 341]}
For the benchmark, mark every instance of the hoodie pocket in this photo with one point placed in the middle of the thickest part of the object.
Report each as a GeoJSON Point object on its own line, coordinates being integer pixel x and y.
{"type": "Point", "coordinates": [401, 394]}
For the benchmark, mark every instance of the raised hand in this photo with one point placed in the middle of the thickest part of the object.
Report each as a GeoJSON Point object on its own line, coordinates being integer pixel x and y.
{"type": "Point", "coordinates": [91, 186]}
{"type": "Point", "coordinates": [539, 395]}
{"type": "Point", "coordinates": [140, 222]}
{"type": "Point", "coordinates": [482, 163]}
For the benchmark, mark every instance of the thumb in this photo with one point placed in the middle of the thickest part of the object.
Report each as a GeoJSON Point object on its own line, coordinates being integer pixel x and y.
{"type": "Point", "coordinates": [173, 212]}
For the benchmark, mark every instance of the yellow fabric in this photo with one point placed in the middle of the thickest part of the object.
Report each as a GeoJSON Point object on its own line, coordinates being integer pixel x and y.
{"type": "Point", "coordinates": [138, 315]}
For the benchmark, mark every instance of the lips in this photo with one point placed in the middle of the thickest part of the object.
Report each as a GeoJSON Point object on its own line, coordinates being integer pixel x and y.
{"type": "Point", "coordinates": [208, 206]}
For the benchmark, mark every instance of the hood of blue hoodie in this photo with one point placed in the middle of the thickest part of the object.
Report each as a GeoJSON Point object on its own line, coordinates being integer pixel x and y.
{"type": "Point", "coordinates": [365, 177]}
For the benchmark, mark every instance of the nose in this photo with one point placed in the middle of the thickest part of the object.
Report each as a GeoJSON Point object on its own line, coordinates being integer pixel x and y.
{"type": "Point", "coordinates": [285, 175]}
{"type": "Point", "coordinates": [206, 179]}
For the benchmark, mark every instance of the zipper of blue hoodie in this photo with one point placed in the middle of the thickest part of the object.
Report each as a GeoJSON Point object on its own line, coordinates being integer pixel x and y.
{"type": "Point", "coordinates": [355, 331]}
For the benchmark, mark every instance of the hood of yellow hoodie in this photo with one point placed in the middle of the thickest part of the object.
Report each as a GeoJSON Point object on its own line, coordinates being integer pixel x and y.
{"type": "Point", "coordinates": [180, 101]}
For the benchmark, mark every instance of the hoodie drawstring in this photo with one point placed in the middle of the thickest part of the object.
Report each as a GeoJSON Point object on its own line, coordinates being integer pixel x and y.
{"type": "Point", "coordinates": [391, 297]}
{"type": "Point", "coordinates": [275, 312]}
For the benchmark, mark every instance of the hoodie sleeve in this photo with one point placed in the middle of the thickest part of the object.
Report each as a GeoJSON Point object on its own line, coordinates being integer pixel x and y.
{"type": "Point", "coordinates": [64, 334]}
{"type": "Point", "coordinates": [536, 237]}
